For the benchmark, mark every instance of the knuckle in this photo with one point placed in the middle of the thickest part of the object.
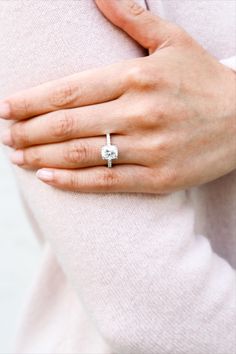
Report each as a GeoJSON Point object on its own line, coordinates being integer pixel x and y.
{"type": "Point", "coordinates": [19, 135]}
{"type": "Point", "coordinates": [76, 153]}
{"type": "Point", "coordinates": [137, 76]}
{"type": "Point", "coordinates": [135, 9]}
{"type": "Point", "coordinates": [73, 181]}
{"type": "Point", "coordinates": [33, 157]}
{"type": "Point", "coordinates": [143, 74]}
{"type": "Point", "coordinates": [20, 105]}
{"type": "Point", "coordinates": [107, 180]}
{"type": "Point", "coordinates": [149, 116]}
{"type": "Point", "coordinates": [64, 94]}
{"type": "Point", "coordinates": [63, 127]}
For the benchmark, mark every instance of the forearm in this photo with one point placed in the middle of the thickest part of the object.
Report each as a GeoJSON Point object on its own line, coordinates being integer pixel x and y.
{"type": "Point", "coordinates": [150, 284]}
{"type": "Point", "coordinates": [148, 281]}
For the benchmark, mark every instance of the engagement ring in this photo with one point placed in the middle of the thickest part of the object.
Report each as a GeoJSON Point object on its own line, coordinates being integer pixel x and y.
{"type": "Point", "coordinates": [109, 152]}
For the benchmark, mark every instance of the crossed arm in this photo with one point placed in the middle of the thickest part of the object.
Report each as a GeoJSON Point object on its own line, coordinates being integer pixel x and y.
{"type": "Point", "coordinates": [179, 291]}
{"type": "Point", "coordinates": [172, 115]}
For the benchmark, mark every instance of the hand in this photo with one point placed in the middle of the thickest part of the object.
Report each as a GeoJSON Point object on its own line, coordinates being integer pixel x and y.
{"type": "Point", "coordinates": [172, 115]}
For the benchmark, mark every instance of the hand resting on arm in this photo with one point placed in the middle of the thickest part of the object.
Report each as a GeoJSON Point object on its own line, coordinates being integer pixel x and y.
{"type": "Point", "coordinates": [172, 115]}
{"type": "Point", "coordinates": [152, 285]}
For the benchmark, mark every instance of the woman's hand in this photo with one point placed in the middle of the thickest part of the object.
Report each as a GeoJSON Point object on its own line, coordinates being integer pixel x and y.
{"type": "Point", "coordinates": [172, 115]}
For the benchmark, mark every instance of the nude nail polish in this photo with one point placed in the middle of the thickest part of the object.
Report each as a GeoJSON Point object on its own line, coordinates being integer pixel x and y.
{"type": "Point", "coordinates": [45, 175]}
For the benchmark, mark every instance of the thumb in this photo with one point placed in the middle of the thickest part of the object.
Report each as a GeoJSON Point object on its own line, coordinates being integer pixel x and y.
{"type": "Point", "coordinates": [147, 29]}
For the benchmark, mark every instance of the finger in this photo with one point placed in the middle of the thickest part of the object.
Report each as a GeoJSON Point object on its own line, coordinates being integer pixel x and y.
{"type": "Point", "coordinates": [85, 88]}
{"type": "Point", "coordinates": [77, 153]}
{"type": "Point", "coordinates": [67, 124]}
{"type": "Point", "coordinates": [147, 29]}
{"type": "Point", "coordinates": [120, 178]}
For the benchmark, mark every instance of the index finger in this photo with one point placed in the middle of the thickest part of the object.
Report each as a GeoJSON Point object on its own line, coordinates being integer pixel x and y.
{"type": "Point", "coordinates": [80, 89]}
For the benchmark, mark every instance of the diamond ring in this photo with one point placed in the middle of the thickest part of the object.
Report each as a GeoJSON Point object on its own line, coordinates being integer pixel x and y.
{"type": "Point", "coordinates": [109, 152]}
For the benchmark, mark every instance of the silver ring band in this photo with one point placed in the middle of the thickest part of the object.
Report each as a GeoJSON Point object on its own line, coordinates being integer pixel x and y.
{"type": "Point", "coordinates": [109, 152]}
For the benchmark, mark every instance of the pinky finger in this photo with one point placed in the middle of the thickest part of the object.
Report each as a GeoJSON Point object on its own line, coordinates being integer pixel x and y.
{"type": "Point", "coordinates": [120, 178]}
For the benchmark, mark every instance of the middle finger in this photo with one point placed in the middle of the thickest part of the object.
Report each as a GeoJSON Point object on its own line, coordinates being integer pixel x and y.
{"type": "Point", "coordinates": [68, 124]}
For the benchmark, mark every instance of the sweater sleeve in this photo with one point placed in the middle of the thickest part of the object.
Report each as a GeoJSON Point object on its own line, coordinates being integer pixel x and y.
{"type": "Point", "coordinates": [151, 284]}
{"type": "Point", "coordinates": [230, 62]}
{"type": "Point", "coordinates": [149, 281]}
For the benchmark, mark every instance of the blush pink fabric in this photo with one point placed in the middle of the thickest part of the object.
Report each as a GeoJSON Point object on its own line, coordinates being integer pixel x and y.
{"type": "Point", "coordinates": [130, 273]}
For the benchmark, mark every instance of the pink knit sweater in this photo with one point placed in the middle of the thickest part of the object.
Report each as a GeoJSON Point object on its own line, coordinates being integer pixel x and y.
{"type": "Point", "coordinates": [130, 273]}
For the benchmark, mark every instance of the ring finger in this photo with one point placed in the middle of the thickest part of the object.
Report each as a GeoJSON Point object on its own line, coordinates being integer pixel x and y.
{"type": "Point", "coordinates": [77, 153]}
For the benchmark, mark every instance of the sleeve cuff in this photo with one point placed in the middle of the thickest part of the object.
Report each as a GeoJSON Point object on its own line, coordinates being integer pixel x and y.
{"type": "Point", "coordinates": [229, 62]}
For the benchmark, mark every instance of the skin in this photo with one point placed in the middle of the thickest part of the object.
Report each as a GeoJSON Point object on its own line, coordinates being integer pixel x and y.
{"type": "Point", "coordinates": [172, 115]}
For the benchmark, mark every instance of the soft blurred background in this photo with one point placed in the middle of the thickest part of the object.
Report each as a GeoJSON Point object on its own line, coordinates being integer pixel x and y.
{"type": "Point", "coordinates": [19, 255]}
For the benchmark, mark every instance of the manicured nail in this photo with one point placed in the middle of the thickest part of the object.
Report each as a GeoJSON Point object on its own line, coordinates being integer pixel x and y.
{"type": "Point", "coordinates": [7, 138]}
{"type": "Point", "coordinates": [45, 175]}
{"type": "Point", "coordinates": [4, 110]}
{"type": "Point", "coordinates": [17, 157]}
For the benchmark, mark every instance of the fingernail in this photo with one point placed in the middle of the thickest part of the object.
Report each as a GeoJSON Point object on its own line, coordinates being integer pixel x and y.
{"type": "Point", "coordinates": [17, 157]}
{"type": "Point", "coordinates": [7, 138]}
{"type": "Point", "coordinates": [4, 110]}
{"type": "Point", "coordinates": [45, 175]}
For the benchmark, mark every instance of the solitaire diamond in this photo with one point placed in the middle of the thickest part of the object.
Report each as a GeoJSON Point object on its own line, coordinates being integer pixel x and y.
{"type": "Point", "coordinates": [109, 152]}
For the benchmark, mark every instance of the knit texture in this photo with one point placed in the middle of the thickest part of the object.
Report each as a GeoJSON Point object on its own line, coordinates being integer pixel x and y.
{"type": "Point", "coordinates": [121, 273]}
